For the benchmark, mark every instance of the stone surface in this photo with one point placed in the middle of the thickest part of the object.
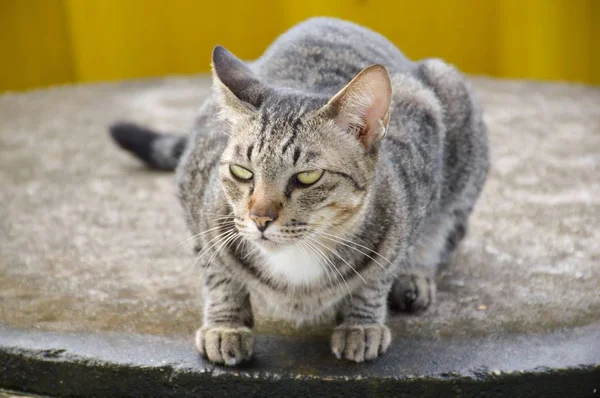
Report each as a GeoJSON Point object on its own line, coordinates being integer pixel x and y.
{"type": "Point", "coordinates": [8, 394]}
{"type": "Point", "coordinates": [559, 364]}
{"type": "Point", "coordinates": [90, 240]}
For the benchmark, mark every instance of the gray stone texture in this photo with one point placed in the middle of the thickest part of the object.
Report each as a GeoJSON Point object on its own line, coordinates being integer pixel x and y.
{"type": "Point", "coordinates": [89, 238]}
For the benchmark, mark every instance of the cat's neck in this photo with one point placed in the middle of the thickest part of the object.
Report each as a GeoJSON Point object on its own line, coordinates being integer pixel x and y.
{"type": "Point", "coordinates": [295, 265]}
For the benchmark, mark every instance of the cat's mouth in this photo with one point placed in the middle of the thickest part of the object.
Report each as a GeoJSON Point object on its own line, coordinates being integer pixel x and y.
{"type": "Point", "coordinates": [267, 243]}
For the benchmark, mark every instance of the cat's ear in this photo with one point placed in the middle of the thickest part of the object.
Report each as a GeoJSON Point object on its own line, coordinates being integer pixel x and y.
{"type": "Point", "coordinates": [363, 106]}
{"type": "Point", "coordinates": [238, 89]}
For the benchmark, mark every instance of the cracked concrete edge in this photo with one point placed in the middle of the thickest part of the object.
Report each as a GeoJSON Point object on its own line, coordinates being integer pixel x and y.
{"type": "Point", "coordinates": [94, 365]}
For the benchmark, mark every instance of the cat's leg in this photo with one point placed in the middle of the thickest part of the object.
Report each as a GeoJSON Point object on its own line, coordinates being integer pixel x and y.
{"type": "Point", "coordinates": [414, 289]}
{"type": "Point", "coordinates": [456, 235]}
{"type": "Point", "coordinates": [361, 334]}
{"type": "Point", "coordinates": [225, 336]}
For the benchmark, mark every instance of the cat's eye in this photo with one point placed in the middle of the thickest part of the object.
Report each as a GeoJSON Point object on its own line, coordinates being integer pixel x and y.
{"type": "Point", "coordinates": [309, 177]}
{"type": "Point", "coordinates": [240, 173]}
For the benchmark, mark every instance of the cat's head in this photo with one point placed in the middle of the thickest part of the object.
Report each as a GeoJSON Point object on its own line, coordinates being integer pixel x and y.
{"type": "Point", "coordinates": [298, 166]}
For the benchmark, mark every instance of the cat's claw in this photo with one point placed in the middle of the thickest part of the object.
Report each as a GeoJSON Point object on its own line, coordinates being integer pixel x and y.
{"type": "Point", "coordinates": [360, 343]}
{"type": "Point", "coordinates": [225, 345]}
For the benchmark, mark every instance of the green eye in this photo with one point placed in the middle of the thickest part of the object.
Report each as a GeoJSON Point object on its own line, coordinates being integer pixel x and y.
{"type": "Point", "coordinates": [240, 173]}
{"type": "Point", "coordinates": [309, 177]}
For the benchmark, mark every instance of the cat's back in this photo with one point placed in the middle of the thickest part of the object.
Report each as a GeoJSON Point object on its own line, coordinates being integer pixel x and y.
{"type": "Point", "coordinates": [323, 54]}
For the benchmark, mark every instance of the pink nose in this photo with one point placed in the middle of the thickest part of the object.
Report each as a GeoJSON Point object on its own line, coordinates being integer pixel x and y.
{"type": "Point", "coordinates": [263, 218]}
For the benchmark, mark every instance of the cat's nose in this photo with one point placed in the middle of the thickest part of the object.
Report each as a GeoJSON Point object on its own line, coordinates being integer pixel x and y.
{"type": "Point", "coordinates": [265, 205]}
{"type": "Point", "coordinates": [263, 219]}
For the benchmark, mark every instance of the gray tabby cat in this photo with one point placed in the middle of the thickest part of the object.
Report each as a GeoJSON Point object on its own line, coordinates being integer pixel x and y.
{"type": "Point", "coordinates": [326, 179]}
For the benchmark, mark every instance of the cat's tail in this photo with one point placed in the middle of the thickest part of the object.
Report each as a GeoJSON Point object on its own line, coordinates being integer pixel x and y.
{"type": "Point", "coordinates": [159, 151]}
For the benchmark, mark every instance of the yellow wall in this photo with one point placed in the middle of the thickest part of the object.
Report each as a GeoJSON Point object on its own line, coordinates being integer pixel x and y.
{"type": "Point", "coordinates": [46, 42]}
{"type": "Point", "coordinates": [34, 44]}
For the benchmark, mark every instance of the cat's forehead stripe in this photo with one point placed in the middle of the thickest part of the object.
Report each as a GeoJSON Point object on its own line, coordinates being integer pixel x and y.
{"type": "Point", "coordinates": [296, 125]}
{"type": "Point", "coordinates": [238, 150]}
{"type": "Point", "coordinates": [311, 155]}
{"type": "Point", "coordinates": [262, 136]}
{"type": "Point", "coordinates": [297, 153]}
{"type": "Point", "coordinates": [288, 142]}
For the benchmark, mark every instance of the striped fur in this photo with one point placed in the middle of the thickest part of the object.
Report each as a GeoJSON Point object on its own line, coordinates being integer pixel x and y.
{"type": "Point", "coordinates": [385, 213]}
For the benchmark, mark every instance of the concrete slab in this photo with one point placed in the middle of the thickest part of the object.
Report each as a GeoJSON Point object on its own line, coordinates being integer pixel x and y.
{"type": "Point", "coordinates": [560, 364]}
{"type": "Point", "coordinates": [9, 394]}
{"type": "Point", "coordinates": [89, 238]}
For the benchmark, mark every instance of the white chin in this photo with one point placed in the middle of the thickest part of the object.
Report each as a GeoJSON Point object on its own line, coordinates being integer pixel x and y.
{"type": "Point", "coordinates": [268, 245]}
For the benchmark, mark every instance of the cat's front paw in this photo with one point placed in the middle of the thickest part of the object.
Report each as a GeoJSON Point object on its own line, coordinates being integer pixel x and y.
{"type": "Point", "coordinates": [225, 345]}
{"type": "Point", "coordinates": [360, 343]}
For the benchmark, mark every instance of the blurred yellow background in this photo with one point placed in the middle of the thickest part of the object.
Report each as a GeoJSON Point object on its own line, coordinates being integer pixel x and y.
{"type": "Point", "coordinates": [46, 42]}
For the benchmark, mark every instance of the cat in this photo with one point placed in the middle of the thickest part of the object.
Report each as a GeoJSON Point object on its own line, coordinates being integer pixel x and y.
{"type": "Point", "coordinates": [326, 180]}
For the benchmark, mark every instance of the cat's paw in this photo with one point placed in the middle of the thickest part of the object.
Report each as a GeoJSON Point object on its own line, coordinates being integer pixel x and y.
{"type": "Point", "coordinates": [412, 293]}
{"type": "Point", "coordinates": [360, 343]}
{"type": "Point", "coordinates": [225, 345]}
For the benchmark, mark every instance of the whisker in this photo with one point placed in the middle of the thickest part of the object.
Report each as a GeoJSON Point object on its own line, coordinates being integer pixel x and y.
{"type": "Point", "coordinates": [359, 251]}
{"type": "Point", "coordinates": [330, 264]}
{"type": "Point", "coordinates": [322, 255]}
{"type": "Point", "coordinates": [221, 225]}
{"type": "Point", "coordinates": [226, 241]}
{"type": "Point", "coordinates": [219, 216]}
{"type": "Point", "coordinates": [338, 256]}
{"type": "Point", "coordinates": [218, 239]}
{"type": "Point", "coordinates": [334, 227]}
{"type": "Point", "coordinates": [326, 235]}
{"type": "Point", "coordinates": [209, 262]}
{"type": "Point", "coordinates": [216, 214]}
{"type": "Point", "coordinates": [357, 244]}
{"type": "Point", "coordinates": [306, 262]}
{"type": "Point", "coordinates": [303, 248]}
{"type": "Point", "coordinates": [239, 243]}
{"type": "Point", "coordinates": [254, 250]}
